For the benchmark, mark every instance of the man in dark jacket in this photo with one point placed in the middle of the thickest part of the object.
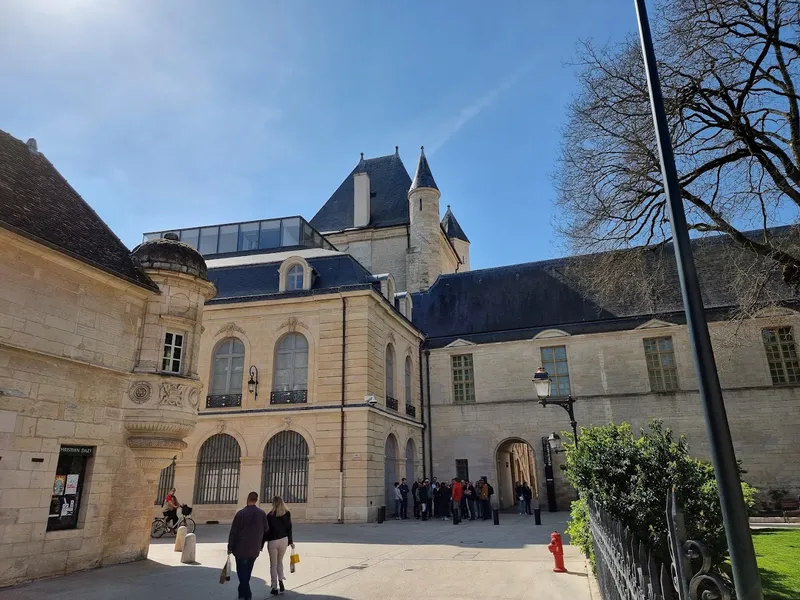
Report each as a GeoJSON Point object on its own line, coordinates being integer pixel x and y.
{"type": "Point", "coordinates": [245, 541]}
{"type": "Point", "coordinates": [415, 496]}
{"type": "Point", "coordinates": [527, 494]}
{"type": "Point", "coordinates": [404, 503]}
{"type": "Point", "coordinates": [424, 499]}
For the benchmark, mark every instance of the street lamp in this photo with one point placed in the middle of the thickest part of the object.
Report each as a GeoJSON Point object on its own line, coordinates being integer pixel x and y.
{"type": "Point", "coordinates": [555, 443]}
{"type": "Point", "coordinates": [252, 384]}
{"type": "Point", "coordinates": [544, 387]}
{"type": "Point", "coordinates": [734, 514]}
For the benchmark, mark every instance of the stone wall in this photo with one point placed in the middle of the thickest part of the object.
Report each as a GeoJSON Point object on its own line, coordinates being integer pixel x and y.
{"type": "Point", "coordinates": [379, 250]}
{"type": "Point", "coordinates": [68, 336]}
{"type": "Point", "coordinates": [610, 383]}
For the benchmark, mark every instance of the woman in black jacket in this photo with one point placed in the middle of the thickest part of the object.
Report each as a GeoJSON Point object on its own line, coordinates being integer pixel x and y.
{"type": "Point", "coordinates": [278, 538]}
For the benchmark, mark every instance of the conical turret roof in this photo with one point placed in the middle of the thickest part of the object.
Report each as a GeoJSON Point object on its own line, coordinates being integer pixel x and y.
{"type": "Point", "coordinates": [451, 226]}
{"type": "Point", "coordinates": [423, 178]}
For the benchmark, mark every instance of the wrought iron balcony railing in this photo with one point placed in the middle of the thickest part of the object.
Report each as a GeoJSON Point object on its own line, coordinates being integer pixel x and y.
{"type": "Point", "coordinates": [223, 400]}
{"type": "Point", "coordinates": [289, 397]}
{"type": "Point", "coordinates": [391, 402]}
{"type": "Point", "coordinates": [411, 410]}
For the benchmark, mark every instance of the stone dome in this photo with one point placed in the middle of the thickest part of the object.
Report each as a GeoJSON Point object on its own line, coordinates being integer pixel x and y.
{"type": "Point", "coordinates": [169, 254]}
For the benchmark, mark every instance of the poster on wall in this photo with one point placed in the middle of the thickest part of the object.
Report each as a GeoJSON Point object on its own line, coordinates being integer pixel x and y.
{"type": "Point", "coordinates": [72, 484]}
{"type": "Point", "coordinates": [55, 506]}
{"type": "Point", "coordinates": [59, 484]}
{"type": "Point", "coordinates": [68, 507]}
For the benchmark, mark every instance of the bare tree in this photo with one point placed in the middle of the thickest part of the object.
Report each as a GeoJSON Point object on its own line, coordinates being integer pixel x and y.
{"type": "Point", "coordinates": [730, 75]}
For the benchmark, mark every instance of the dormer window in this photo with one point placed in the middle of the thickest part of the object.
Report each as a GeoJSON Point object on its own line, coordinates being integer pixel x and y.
{"type": "Point", "coordinates": [295, 275]}
{"type": "Point", "coordinates": [294, 278]}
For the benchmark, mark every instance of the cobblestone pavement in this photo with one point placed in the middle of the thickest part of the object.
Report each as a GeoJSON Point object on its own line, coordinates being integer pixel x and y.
{"type": "Point", "coordinates": [397, 559]}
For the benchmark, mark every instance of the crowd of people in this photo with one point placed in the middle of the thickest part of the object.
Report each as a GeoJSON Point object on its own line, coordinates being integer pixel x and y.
{"type": "Point", "coordinates": [455, 499]}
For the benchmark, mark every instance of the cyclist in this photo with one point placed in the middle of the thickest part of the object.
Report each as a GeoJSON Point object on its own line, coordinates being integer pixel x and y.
{"type": "Point", "coordinates": [171, 509]}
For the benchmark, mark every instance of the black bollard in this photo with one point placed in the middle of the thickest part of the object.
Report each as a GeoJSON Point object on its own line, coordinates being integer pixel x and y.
{"type": "Point", "coordinates": [537, 516]}
{"type": "Point", "coordinates": [381, 514]}
{"type": "Point", "coordinates": [496, 516]}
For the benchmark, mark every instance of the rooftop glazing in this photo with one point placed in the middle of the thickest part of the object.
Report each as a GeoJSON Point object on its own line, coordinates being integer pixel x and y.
{"type": "Point", "coordinates": [249, 236]}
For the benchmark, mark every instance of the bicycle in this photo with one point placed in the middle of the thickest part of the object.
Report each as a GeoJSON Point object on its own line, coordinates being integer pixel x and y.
{"type": "Point", "coordinates": [160, 527]}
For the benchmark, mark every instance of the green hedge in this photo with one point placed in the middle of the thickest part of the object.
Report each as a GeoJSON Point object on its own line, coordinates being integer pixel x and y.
{"type": "Point", "coordinates": [630, 477]}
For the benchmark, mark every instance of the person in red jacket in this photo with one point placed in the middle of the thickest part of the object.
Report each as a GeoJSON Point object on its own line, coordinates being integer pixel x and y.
{"type": "Point", "coordinates": [456, 493]}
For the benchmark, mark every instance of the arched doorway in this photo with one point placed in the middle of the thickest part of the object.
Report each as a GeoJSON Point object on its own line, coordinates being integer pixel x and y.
{"type": "Point", "coordinates": [411, 475]}
{"type": "Point", "coordinates": [390, 472]}
{"type": "Point", "coordinates": [516, 462]}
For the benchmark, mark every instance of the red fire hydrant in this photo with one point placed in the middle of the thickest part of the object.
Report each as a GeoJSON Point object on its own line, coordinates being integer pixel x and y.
{"type": "Point", "coordinates": [557, 550]}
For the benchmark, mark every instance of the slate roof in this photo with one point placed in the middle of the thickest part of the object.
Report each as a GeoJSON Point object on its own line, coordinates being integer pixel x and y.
{"type": "Point", "coordinates": [423, 178]}
{"type": "Point", "coordinates": [519, 301]}
{"type": "Point", "coordinates": [38, 203]}
{"type": "Point", "coordinates": [452, 228]}
{"type": "Point", "coordinates": [389, 184]}
{"type": "Point", "coordinates": [257, 282]}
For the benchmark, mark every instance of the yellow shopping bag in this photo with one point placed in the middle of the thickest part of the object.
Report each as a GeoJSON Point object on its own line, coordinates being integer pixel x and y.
{"type": "Point", "coordinates": [294, 558]}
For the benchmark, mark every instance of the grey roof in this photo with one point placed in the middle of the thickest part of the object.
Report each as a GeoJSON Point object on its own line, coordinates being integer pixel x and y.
{"type": "Point", "coordinates": [519, 301]}
{"type": "Point", "coordinates": [451, 226]}
{"type": "Point", "coordinates": [256, 282]}
{"type": "Point", "coordinates": [423, 178]}
{"type": "Point", "coordinates": [389, 184]}
{"type": "Point", "coordinates": [38, 203]}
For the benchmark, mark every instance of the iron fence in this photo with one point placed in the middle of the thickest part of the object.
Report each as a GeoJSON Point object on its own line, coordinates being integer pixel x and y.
{"type": "Point", "coordinates": [289, 397]}
{"type": "Point", "coordinates": [411, 410]}
{"type": "Point", "coordinates": [627, 567]}
{"type": "Point", "coordinates": [391, 403]}
{"type": "Point", "coordinates": [223, 400]}
{"type": "Point", "coordinates": [285, 472]}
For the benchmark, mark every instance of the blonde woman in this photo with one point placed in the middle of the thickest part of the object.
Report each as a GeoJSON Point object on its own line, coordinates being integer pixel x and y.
{"type": "Point", "coordinates": [279, 537]}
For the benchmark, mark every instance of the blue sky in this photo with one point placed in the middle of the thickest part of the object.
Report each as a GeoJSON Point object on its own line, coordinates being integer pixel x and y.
{"type": "Point", "coordinates": [189, 112]}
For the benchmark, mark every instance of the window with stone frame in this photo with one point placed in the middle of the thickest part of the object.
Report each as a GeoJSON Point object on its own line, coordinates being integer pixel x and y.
{"type": "Point", "coordinates": [661, 369]}
{"type": "Point", "coordinates": [173, 352]}
{"type": "Point", "coordinates": [463, 379]}
{"type": "Point", "coordinates": [554, 361]}
{"type": "Point", "coordinates": [781, 349]}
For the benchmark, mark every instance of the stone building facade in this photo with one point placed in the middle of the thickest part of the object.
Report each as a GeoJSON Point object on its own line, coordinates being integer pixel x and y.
{"type": "Point", "coordinates": [89, 412]}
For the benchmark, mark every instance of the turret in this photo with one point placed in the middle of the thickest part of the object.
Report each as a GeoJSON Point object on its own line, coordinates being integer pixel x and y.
{"type": "Point", "coordinates": [457, 237]}
{"type": "Point", "coordinates": [424, 263]}
{"type": "Point", "coordinates": [161, 404]}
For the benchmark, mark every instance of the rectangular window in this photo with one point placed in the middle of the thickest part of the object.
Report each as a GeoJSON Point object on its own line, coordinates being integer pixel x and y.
{"type": "Point", "coordinates": [228, 238]}
{"type": "Point", "coordinates": [208, 240]}
{"type": "Point", "coordinates": [248, 236]}
{"type": "Point", "coordinates": [291, 232]}
{"type": "Point", "coordinates": [554, 361]}
{"type": "Point", "coordinates": [462, 469]}
{"type": "Point", "coordinates": [463, 379]}
{"type": "Point", "coordinates": [173, 352]}
{"type": "Point", "coordinates": [71, 471]}
{"type": "Point", "coordinates": [190, 236]}
{"type": "Point", "coordinates": [660, 358]}
{"type": "Point", "coordinates": [781, 349]}
{"type": "Point", "coordinates": [270, 235]}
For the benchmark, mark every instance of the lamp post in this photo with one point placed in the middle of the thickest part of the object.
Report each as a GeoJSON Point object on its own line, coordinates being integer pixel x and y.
{"type": "Point", "coordinates": [737, 528]}
{"type": "Point", "coordinates": [544, 387]}
{"type": "Point", "coordinates": [252, 384]}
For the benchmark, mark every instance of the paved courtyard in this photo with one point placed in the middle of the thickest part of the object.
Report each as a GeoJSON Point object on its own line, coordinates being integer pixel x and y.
{"type": "Point", "coordinates": [407, 559]}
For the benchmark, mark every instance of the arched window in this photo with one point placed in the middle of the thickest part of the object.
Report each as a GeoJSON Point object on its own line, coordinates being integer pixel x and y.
{"type": "Point", "coordinates": [391, 401]}
{"type": "Point", "coordinates": [285, 468]}
{"type": "Point", "coordinates": [217, 479]}
{"type": "Point", "coordinates": [294, 278]}
{"type": "Point", "coordinates": [228, 369]}
{"type": "Point", "coordinates": [290, 382]}
{"type": "Point", "coordinates": [409, 397]}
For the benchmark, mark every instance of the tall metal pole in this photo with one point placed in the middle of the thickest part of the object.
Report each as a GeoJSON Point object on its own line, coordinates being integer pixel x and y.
{"type": "Point", "coordinates": [734, 514]}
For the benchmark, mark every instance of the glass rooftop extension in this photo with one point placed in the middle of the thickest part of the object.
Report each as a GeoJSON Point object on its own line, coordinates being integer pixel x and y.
{"type": "Point", "coordinates": [273, 234]}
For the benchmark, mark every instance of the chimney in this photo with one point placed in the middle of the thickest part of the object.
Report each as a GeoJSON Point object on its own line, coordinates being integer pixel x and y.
{"type": "Point", "coordinates": [32, 145]}
{"type": "Point", "coordinates": [361, 192]}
